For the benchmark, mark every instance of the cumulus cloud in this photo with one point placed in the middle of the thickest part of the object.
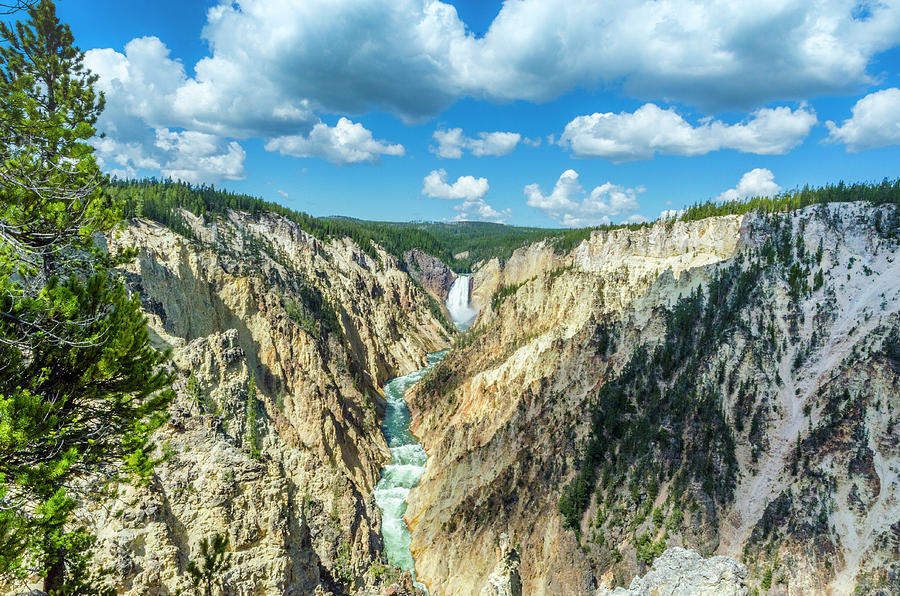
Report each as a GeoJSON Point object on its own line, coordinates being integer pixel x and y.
{"type": "Point", "coordinates": [466, 187]}
{"type": "Point", "coordinates": [148, 95]}
{"type": "Point", "coordinates": [183, 155]}
{"type": "Point", "coordinates": [470, 190]}
{"type": "Point", "coordinates": [875, 122]}
{"type": "Point", "coordinates": [759, 182]}
{"type": "Point", "coordinates": [196, 156]}
{"type": "Point", "coordinates": [414, 58]}
{"type": "Point", "coordinates": [275, 65]}
{"type": "Point", "coordinates": [346, 143]}
{"type": "Point", "coordinates": [144, 85]}
{"type": "Point", "coordinates": [478, 210]}
{"type": "Point", "coordinates": [671, 213]}
{"type": "Point", "coordinates": [572, 206]}
{"type": "Point", "coordinates": [450, 143]}
{"type": "Point", "coordinates": [140, 86]}
{"type": "Point", "coordinates": [711, 54]}
{"type": "Point", "coordinates": [630, 136]}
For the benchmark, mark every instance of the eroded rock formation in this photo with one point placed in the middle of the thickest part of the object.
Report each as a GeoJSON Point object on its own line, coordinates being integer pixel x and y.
{"type": "Point", "coordinates": [681, 572]}
{"type": "Point", "coordinates": [320, 326]}
{"type": "Point", "coordinates": [430, 272]}
{"type": "Point", "coordinates": [729, 385]}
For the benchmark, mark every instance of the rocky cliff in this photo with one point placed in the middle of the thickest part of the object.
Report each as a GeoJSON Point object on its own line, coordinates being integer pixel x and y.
{"type": "Point", "coordinates": [680, 572]}
{"type": "Point", "coordinates": [430, 272]}
{"type": "Point", "coordinates": [729, 385]}
{"type": "Point", "coordinates": [319, 326]}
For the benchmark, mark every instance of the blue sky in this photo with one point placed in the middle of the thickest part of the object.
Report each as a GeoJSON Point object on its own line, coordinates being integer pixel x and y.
{"type": "Point", "coordinates": [571, 113]}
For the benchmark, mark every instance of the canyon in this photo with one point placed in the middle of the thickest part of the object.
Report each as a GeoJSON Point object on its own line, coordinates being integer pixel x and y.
{"type": "Point", "coordinates": [727, 386]}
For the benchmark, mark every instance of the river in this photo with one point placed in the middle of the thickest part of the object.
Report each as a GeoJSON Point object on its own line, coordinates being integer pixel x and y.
{"type": "Point", "coordinates": [408, 457]}
{"type": "Point", "coordinates": [404, 470]}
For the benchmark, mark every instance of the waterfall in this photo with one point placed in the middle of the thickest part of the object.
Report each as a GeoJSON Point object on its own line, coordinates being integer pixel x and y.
{"type": "Point", "coordinates": [461, 311]}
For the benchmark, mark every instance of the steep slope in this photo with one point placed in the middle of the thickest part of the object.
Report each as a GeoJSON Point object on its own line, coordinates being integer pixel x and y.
{"type": "Point", "coordinates": [320, 327]}
{"type": "Point", "coordinates": [727, 384]}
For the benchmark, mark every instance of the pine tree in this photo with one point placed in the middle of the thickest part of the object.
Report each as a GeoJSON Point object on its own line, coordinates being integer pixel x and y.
{"type": "Point", "coordinates": [81, 388]}
{"type": "Point", "coordinates": [251, 436]}
{"type": "Point", "coordinates": [11, 6]}
{"type": "Point", "coordinates": [208, 577]}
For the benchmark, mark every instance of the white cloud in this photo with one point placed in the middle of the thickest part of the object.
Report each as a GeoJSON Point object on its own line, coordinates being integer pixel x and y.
{"type": "Point", "coordinates": [197, 157]}
{"type": "Point", "coordinates": [148, 94]}
{"type": "Point", "coordinates": [671, 213]}
{"type": "Point", "coordinates": [346, 143]}
{"type": "Point", "coordinates": [466, 187]}
{"type": "Point", "coordinates": [452, 142]}
{"type": "Point", "coordinates": [276, 64]}
{"type": "Point", "coordinates": [478, 210]}
{"type": "Point", "coordinates": [629, 136]}
{"type": "Point", "coordinates": [711, 54]}
{"type": "Point", "coordinates": [283, 193]}
{"type": "Point", "coordinates": [470, 190]}
{"type": "Point", "coordinates": [875, 122]}
{"type": "Point", "coordinates": [140, 86]}
{"type": "Point", "coordinates": [635, 219]}
{"type": "Point", "coordinates": [186, 155]}
{"type": "Point", "coordinates": [572, 206]}
{"type": "Point", "coordinates": [759, 182]}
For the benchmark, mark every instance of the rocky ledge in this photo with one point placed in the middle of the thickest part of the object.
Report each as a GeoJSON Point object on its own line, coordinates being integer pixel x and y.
{"type": "Point", "coordinates": [682, 572]}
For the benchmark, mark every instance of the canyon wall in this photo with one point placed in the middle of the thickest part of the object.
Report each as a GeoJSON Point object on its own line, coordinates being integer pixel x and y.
{"type": "Point", "coordinates": [430, 272]}
{"type": "Point", "coordinates": [729, 385]}
{"type": "Point", "coordinates": [320, 326]}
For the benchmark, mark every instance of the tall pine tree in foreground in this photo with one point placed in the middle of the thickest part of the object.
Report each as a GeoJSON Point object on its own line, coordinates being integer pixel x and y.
{"type": "Point", "coordinates": [81, 389]}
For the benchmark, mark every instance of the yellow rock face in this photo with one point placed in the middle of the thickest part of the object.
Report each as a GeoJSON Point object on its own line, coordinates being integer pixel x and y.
{"type": "Point", "coordinates": [231, 305]}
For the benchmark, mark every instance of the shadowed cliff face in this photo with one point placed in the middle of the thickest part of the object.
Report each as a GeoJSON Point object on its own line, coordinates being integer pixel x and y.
{"type": "Point", "coordinates": [727, 384]}
{"type": "Point", "coordinates": [430, 272]}
{"type": "Point", "coordinates": [321, 327]}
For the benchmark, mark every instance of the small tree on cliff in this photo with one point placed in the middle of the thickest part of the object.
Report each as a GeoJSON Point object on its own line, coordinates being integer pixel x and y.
{"type": "Point", "coordinates": [81, 389]}
{"type": "Point", "coordinates": [251, 434]}
{"type": "Point", "coordinates": [208, 578]}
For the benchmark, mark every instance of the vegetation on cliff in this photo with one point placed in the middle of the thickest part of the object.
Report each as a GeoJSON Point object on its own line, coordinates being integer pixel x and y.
{"type": "Point", "coordinates": [887, 191]}
{"type": "Point", "coordinates": [671, 421]}
{"type": "Point", "coordinates": [656, 420]}
{"type": "Point", "coordinates": [460, 245]}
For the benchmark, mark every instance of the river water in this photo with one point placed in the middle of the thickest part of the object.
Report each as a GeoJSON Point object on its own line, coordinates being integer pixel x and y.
{"type": "Point", "coordinates": [404, 470]}
{"type": "Point", "coordinates": [407, 455]}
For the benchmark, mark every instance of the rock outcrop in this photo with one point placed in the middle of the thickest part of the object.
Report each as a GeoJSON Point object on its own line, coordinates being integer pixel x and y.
{"type": "Point", "coordinates": [681, 572]}
{"type": "Point", "coordinates": [320, 326]}
{"type": "Point", "coordinates": [430, 272]}
{"type": "Point", "coordinates": [505, 580]}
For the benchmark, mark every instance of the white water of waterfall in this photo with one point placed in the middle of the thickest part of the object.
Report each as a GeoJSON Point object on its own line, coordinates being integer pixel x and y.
{"type": "Point", "coordinates": [461, 310]}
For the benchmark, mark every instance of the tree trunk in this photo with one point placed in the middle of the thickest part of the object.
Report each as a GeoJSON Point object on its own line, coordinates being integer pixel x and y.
{"type": "Point", "coordinates": [53, 583]}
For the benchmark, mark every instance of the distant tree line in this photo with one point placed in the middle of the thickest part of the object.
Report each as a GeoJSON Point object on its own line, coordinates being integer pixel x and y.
{"type": "Point", "coordinates": [160, 200]}
{"type": "Point", "coordinates": [887, 191]}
